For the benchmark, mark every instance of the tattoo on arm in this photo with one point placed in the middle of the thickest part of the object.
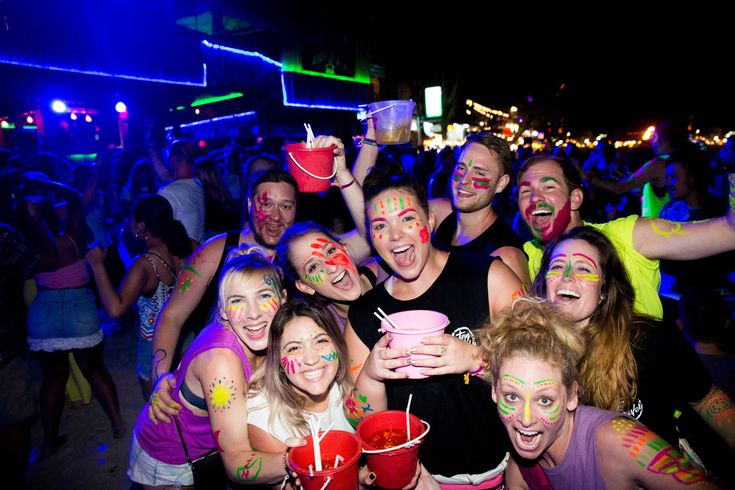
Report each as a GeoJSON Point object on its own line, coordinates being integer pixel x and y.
{"type": "Point", "coordinates": [653, 453]}
{"type": "Point", "coordinates": [357, 407]}
{"type": "Point", "coordinates": [250, 469]}
{"type": "Point", "coordinates": [157, 359]}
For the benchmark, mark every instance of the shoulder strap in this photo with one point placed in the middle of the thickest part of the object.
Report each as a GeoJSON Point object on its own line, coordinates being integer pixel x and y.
{"type": "Point", "coordinates": [535, 477]}
{"type": "Point", "coordinates": [153, 264]}
{"type": "Point", "coordinates": [165, 264]}
{"type": "Point", "coordinates": [369, 274]}
{"type": "Point", "coordinates": [181, 437]}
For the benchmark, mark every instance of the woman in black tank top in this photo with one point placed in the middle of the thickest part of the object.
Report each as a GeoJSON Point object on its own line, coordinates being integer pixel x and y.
{"type": "Point", "coordinates": [465, 288]}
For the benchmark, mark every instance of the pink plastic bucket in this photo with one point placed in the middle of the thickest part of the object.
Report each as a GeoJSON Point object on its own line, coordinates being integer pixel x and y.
{"type": "Point", "coordinates": [414, 325]}
{"type": "Point", "coordinates": [336, 442]}
{"type": "Point", "coordinates": [313, 168]}
{"type": "Point", "coordinates": [392, 121]}
{"type": "Point", "coordinates": [393, 468]}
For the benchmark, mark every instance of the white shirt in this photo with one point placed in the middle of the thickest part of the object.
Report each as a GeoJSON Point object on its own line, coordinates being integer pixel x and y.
{"type": "Point", "coordinates": [186, 197]}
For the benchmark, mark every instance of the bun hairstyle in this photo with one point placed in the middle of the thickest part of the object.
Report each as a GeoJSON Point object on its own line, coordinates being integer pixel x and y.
{"type": "Point", "coordinates": [156, 212]}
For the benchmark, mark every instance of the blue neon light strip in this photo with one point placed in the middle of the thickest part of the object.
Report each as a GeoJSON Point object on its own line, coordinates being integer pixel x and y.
{"type": "Point", "coordinates": [287, 103]}
{"type": "Point", "coordinates": [216, 119]}
{"type": "Point", "coordinates": [242, 52]}
{"type": "Point", "coordinates": [203, 83]}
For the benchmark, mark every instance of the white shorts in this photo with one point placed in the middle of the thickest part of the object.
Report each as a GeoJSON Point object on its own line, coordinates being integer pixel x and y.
{"type": "Point", "coordinates": [147, 470]}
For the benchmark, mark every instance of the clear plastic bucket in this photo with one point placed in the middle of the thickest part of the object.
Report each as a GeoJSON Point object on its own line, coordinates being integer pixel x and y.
{"type": "Point", "coordinates": [392, 121]}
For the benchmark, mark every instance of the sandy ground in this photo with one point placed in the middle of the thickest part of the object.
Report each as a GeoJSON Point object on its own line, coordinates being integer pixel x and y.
{"type": "Point", "coordinates": [91, 458]}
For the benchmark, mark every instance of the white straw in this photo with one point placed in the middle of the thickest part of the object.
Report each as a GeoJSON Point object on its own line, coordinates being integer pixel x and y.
{"type": "Point", "coordinates": [314, 427]}
{"type": "Point", "coordinates": [378, 110]}
{"type": "Point", "coordinates": [337, 460]}
{"type": "Point", "coordinates": [408, 425]}
{"type": "Point", "coordinates": [329, 478]}
{"type": "Point", "coordinates": [384, 316]}
{"type": "Point", "coordinates": [311, 470]}
{"type": "Point", "coordinates": [309, 136]}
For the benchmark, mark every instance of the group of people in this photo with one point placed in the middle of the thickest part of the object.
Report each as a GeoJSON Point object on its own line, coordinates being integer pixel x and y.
{"type": "Point", "coordinates": [554, 371]}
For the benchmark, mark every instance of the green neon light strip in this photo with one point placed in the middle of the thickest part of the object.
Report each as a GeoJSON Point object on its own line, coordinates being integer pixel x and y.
{"type": "Point", "coordinates": [12, 126]}
{"type": "Point", "coordinates": [81, 157]}
{"type": "Point", "coordinates": [362, 78]}
{"type": "Point", "coordinates": [180, 107]}
{"type": "Point", "coordinates": [218, 98]}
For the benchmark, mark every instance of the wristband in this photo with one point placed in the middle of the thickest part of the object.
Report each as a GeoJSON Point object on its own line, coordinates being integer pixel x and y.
{"type": "Point", "coordinates": [342, 187]}
{"type": "Point", "coordinates": [285, 462]}
{"type": "Point", "coordinates": [369, 141]}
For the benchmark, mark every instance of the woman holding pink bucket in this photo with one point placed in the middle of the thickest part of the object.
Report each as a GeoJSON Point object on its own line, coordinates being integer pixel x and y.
{"type": "Point", "coordinates": [467, 445]}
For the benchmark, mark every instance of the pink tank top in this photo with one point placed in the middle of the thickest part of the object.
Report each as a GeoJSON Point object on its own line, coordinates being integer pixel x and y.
{"type": "Point", "coordinates": [70, 276]}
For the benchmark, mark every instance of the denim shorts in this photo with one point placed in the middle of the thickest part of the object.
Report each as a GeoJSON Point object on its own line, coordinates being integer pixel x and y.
{"type": "Point", "coordinates": [147, 470]}
{"type": "Point", "coordinates": [145, 356]}
{"type": "Point", "coordinates": [63, 319]}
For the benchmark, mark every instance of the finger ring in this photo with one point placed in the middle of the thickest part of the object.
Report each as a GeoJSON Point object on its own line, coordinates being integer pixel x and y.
{"type": "Point", "coordinates": [155, 403]}
{"type": "Point", "coordinates": [443, 350]}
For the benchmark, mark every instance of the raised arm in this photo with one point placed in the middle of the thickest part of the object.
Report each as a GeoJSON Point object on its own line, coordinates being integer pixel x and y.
{"type": "Point", "coordinates": [116, 303]}
{"type": "Point", "coordinates": [195, 276]}
{"type": "Point", "coordinates": [651, 171]}
{"type": "Point", "coordinates": [631, 455]}
{"type": "Point", "coordinates": [221, 379]}
{"type": "Point", "coordinates": [660, 239]}
{"type": "Point", "coordinates": [503, 287]}
{"type": "Point", "coordinates": [368, 154]}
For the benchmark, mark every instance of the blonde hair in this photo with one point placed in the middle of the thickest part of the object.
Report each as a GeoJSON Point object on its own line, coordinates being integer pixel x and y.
{"type": "Point", "coordinates": [536, 329]}
{"type": "Point", "coordinates": [242, 264]}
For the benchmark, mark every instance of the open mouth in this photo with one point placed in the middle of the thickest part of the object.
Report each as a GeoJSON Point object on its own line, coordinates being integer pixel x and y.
{"type": "Point", "coordinates": [404, 255]}
{"type": "Point", "coordinates": [343, 281]}
{"type": "Point", "coordinates": [464, 193]}
{"type": "Point", "coordinates": [567, 294]}
{"type": "Point", "coordinates": [257, 331]}
{"type": "Point", "coordinates": [527, 440]}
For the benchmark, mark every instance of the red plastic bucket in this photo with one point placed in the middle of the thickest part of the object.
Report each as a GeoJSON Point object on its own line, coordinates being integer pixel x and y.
{"type": "Point", "coordinates": [336, 442]}
{"type": "Point", "coordinates": [393, 468]}
{"type": "Point", "coordinates": [414, 325]}
{"type": "Point", "coordinates": [313, 168]}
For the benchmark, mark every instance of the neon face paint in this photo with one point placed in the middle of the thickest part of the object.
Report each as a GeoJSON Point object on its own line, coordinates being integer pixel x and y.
{"type": "Point", "coordinates": [332, 356]}
{"type": "Point", "coordinates": [424, 235]}
{"type": "Point", "coordinates": [290, 364]}
{"type": "Point", "coordinates": [391, 204]}
{"type": "Point", "coordinates": [481, 184]}
{"type": "Point", "coordinates": [324, 253]}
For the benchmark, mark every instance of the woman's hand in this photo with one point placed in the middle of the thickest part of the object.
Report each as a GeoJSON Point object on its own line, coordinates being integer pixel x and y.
{"type": "Point", "coordinates": [96, 256]}
{"type": "Point", "coordinates": [340, 161]}
{"type": "Point", "coordinates": [449, 355]}
{"type": "Point", "coordinates": [161, 404]}
{"type": "Point", "coordinates": [382, 361]}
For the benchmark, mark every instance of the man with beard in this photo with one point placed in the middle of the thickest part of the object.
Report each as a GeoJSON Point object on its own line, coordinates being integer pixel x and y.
{"type": "Point", "coordinates": [550, 197]}
{"type": "Point", "coordinates": [272, 202]}
{"type": "Point", "coordinates": [469, 222]}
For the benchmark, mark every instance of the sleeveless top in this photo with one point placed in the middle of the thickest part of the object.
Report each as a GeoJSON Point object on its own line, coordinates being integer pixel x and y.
{"type": "Point", "coordinates": [70, 276]}
{"type": "Point", "coordinates": [161, 441]}
{"type": "Point", "coordinates": [150, 306]}
{"type": "Point", "coordinates": [497, 235]}
{"type": "Point", "coordinates": [467, 436]}
{"type": "Point", "coordinates": [580, 469]}
{"type": "Point", "coordinates": [200, 317]}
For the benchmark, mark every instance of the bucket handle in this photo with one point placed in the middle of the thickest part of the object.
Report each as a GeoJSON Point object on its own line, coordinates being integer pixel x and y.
{"type": "Point", "coordinates": [334, 169]}
{"type": "Point", "coordinates": [405, 444]}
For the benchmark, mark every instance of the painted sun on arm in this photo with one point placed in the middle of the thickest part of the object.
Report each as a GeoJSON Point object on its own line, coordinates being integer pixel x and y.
{"type": "Point", "coordinates": [221, 392]}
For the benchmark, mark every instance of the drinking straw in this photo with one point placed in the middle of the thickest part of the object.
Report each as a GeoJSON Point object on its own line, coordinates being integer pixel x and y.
{"type": "Point", "coordinates": [378, 110]}
{"type": "Point", "coordinates": [329, 479]}
{"type": "Point", "coordinates": [337, 460]}
{"type": "Point", "coordinates": [408, 425]}
{"type": "Point", "coordinates": [311, 470]}
{"type": "Point", "coordinates": [383, 316]}
{"type": "Point", "coordinates": [309, 136]}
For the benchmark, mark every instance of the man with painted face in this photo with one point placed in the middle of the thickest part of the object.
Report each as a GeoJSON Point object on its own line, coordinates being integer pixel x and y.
{"type": "Point", "coordinates": [468, 222]}
{"type": "Point", "coordinates": [272, 202]}
{"type": "Point", "coordinates": [550, 197]}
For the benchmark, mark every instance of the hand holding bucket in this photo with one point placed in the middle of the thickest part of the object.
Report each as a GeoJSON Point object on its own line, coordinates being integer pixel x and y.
{"type": "Point", "coordinates": [390, 455]}
{"type": "Point", "coordinates": [313, 168]}
{"type": "Point", "coordinates": [414, 325]}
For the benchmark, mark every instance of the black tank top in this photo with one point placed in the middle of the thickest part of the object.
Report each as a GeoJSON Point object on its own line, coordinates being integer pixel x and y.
{"type": "Point", "coordinates": [201, 315]}
{"type": "Point", "coordinates": [498, 235]}
{"type": "Point", "coordinates": [466, 434]}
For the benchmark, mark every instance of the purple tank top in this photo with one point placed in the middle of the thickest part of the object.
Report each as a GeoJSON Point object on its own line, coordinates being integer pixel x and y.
{"type": "Point", "coordinates": [579, 469]}
{"type": "Point", "coordinates": [161, 441]}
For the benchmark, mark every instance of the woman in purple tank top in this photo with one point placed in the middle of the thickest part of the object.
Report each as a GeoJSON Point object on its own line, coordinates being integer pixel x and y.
{"type": "Point", "coordinates": [212, 385]}
{"type": "Point", "coordinates": [533, 354]}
